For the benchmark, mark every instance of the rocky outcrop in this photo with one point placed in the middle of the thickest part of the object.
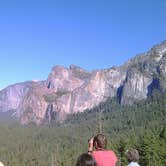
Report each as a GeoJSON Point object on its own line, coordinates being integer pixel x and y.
{"type": "Point", "coordinates": [135, 87]}
{"type": "Point", "coordinates": [33, 105]}
{"type": "Point", "coordinates": [12, 96]}
{"type": "Point", "coordinates": [62, 78]}
{"type": "Point", "coordinates": [73, 89]}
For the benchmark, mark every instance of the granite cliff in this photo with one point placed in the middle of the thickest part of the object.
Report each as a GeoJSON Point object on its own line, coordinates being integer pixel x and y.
{"type": "Point", "coordinates": [73, 89]}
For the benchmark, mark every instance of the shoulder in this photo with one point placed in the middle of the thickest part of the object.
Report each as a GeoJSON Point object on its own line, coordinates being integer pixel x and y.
{"type": "Point", "coordinates": [112, 153]}
{"type": "Point", "coordinates": [104, 153]}
{"type": "Point", "coordinates": [105, 156]}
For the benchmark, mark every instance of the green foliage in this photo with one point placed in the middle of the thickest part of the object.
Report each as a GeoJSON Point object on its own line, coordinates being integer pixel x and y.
{"type": "Point", "coordinates": [52, 97]}
{"type": "Point", "coordinates": [140, 126]}
{"type": "Point", "coordinates": [152, 149]}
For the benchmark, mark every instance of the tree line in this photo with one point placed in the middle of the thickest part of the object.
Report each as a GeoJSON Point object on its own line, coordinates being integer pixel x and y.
{"type": "Point", "coordinates": [140, 126]}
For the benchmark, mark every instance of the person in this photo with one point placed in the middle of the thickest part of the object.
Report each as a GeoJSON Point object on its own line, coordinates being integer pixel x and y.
{"type": "Point", "coordinates": [98, 150]}
{"type": "Point", "coordinates": [85, 160]}
{"type": "Point", "coordinates": [133, 157]}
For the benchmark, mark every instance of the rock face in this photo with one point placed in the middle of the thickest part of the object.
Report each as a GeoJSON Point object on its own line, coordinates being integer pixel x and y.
{"type": "Point", "coordinates": [135, 87]}
{"type": "Point", "coordinates": [71, 90]}
{"type": "Point", "coordinates": [12, 96]}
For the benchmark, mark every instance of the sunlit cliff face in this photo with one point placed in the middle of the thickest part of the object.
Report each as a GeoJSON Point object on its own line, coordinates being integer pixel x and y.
{"type": "Point", "coordinates": [71, 90]}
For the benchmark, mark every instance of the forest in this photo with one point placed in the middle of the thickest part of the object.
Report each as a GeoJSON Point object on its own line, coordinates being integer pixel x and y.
{"type": "Point", "coordinates": [141, 126]}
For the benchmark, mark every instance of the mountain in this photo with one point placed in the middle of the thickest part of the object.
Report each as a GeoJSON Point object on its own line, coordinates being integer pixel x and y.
{"type": "Point", "coordinates": [71, 90]}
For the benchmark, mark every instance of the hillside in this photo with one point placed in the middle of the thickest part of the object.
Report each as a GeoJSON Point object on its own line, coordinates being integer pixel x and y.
{"type": "Point", "coordinates": [141, 125]}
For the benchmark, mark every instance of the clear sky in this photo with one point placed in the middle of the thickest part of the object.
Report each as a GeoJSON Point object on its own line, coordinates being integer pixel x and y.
{"type": "Point", "coordinates": [36, 35]}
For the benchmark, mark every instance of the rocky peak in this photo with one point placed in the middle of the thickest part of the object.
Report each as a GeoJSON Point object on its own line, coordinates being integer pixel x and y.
{"type": "Point", "coordinates": [76, 68]}
{"type": "Point", "coordinates": [62, 78]}
{"type": "Point", "coordinates": [158, 51]}
{"type": "Point", "coordinates": [59, 72]}
{"type": "Point", "coordinates": [79, 73]}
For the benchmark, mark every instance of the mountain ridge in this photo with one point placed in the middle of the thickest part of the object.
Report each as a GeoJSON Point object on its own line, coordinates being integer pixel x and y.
{"type": "Point", "coordinates": [71, 90]}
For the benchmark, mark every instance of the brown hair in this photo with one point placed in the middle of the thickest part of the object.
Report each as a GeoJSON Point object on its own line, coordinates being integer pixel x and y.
{"type": "Point", "coordinates": [132, 155]}
{"type": "Point", "coordinates": [101, 141]}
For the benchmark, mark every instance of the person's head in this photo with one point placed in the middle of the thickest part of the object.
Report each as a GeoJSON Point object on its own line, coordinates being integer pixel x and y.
{"type": "Point", "coordinates": [85, 160]}
{"type": "Point", "coordinates": [100, 142]}
{"type": "Point", "coordinates": [132, 155]}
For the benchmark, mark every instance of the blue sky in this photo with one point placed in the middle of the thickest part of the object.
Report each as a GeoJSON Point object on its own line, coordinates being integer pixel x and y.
{"type": "Point", "coordinates": [36, 35]}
